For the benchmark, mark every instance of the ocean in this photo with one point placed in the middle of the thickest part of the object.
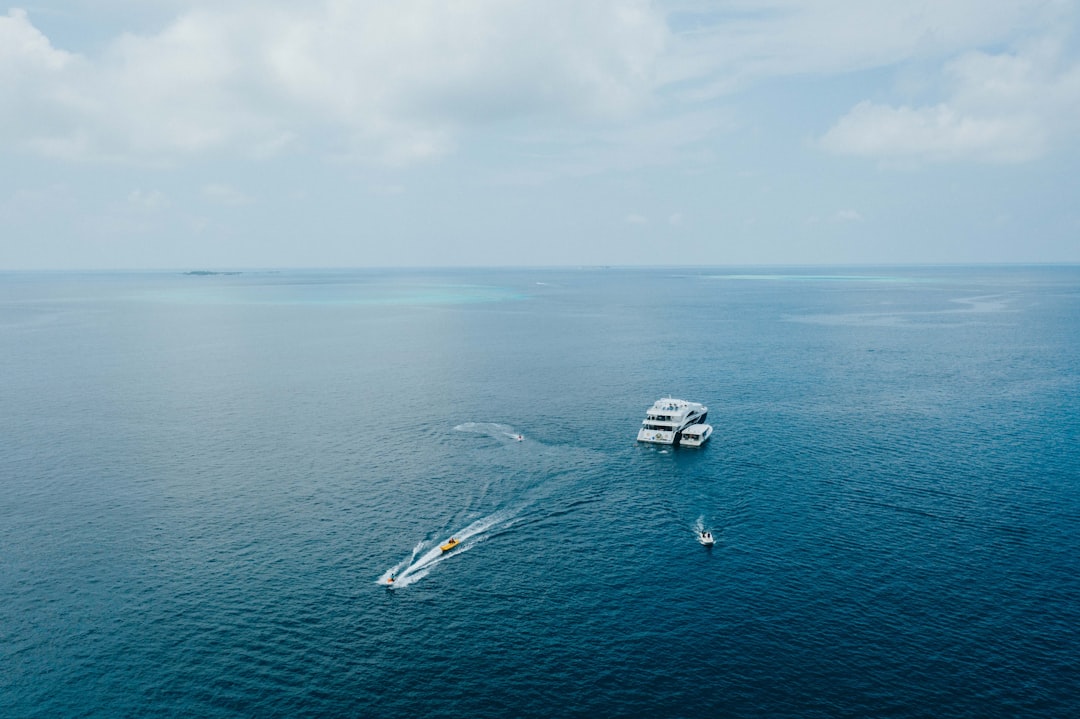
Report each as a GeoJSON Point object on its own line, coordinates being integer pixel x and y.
{"type": "Point", "coordinates": [206, 480]}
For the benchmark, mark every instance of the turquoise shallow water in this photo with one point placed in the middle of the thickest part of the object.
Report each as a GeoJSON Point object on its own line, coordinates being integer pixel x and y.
{"type": "Point", "coordinates": [203, 480]}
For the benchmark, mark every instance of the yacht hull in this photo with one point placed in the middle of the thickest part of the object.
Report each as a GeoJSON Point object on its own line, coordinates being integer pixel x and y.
{"type": "Point", "coordinates": [656, 437]}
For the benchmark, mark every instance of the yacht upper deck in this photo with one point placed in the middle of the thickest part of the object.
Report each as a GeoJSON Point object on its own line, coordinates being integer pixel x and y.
{"type": "Point", "coordinates": [672, 410]}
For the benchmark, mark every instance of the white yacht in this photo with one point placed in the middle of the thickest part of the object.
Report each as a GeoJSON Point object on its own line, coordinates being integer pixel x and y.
{"type": "Point", "coordinates": [695, 435]}
{"type": "Point", "coordinates": [667, 418]}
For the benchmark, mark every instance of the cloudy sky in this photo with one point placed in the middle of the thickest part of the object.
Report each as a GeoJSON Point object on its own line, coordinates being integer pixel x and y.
{"type": "Point", "coordinates": [337, 133]}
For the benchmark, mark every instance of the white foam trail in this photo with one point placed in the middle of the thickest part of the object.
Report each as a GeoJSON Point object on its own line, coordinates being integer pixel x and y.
{"type": "Point", "coordinates": [414, 569]}
{"type": "Point", "coordinates": [397, 568]}
{"type": "Point", "coordinates": [491, 429]}
{"type": "Point", "coordinates": [699, 527]}
{"type": "Point", "coordinates": [483, 427]}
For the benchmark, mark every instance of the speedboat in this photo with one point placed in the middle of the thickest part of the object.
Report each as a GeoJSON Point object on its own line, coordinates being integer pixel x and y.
{"type": "Point", "coordinates": [695, 435]}
{"type": "Point", "coordinates": [706, 538]}
{"type": "Point", "coordinates": [668, 418]}
{"type": "Point", "coordinates": [449, 545]}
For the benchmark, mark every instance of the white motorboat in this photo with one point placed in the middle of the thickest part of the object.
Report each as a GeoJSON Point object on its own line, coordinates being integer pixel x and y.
{"type": "Point", "coordinates": [695, 435]}
{"type": "Point", "coordinates": [706, 538]}
{"type": "Point", "coordinates": [666, 420]}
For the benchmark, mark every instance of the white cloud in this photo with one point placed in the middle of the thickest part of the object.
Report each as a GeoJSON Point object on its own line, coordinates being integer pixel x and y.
{"type": "Point", "coordinates": [996, 107]}
{"type": "Point", "coordinates": [30, 99]}
{"type": "Point", "coordinates": [724, 48]}
{"type": "Point", "coordinates": [407, 81]}
{"type": "Point", "coordinates": [28, 203]}
{"type": "Point", "coordinates": [388, 189]}
{"type": "Point", "coordinates": [644, 141]}
{"type": "Point", "coordinates": [24, 50]}
{"type": "Point", "coordinates": [226, 195]}
{"type": "Point", "coordinates": [1006, 107]}
{"type": "Point", "coordinates": [148, 200]}
{"type": "Point", "coordinates": [392, 82]}
{"type": "Point", "coordinates": [933, 133]}
{"type": "Point", "coordinates": [847, 216]}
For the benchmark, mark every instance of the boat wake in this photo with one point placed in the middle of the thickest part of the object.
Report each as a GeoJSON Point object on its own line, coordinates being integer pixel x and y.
{"type": "Point", "coordinates": [427, 555]}
{"type": "Point", "coordinates": [498, 431]}
{"type": "Point", "coordinates": [699, 527]}
{"type": "Point", "coordinates": [509, 491]}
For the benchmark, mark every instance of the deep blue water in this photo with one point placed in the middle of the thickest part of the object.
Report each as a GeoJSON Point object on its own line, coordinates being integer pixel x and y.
{"type": "Point", "coordinates": [203, 480]}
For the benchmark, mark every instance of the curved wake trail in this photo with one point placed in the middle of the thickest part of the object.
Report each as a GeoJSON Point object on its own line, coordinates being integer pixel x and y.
{"type": "Point", "coordinates": [426, 555]}
{"type": "Point", "coordinates": [699, 527]}
{"type": "Point", "coordinates": [421, 562]}
{"type": "Point", "coordinates": [491, 429]}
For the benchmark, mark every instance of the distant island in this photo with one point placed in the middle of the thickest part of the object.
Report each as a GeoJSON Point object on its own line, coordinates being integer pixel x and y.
{"type": "Point", "coordinates": [210, 272]}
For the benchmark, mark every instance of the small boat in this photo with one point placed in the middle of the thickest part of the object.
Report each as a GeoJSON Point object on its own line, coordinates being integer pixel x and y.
{"type": "Point", "coordinates": [695, 435]}
{"type": "Point", "coordinates": [449, 545]}
{"type": "Point", "coordinates": [706, 538]}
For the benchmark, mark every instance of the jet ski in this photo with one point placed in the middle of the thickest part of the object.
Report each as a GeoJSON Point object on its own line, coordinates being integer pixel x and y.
{"type": "Point", "coordinates": [449, 545]}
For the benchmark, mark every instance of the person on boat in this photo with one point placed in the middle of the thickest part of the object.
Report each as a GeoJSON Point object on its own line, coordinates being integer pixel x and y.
{"type": "Point", "coordinates": [390, 580]}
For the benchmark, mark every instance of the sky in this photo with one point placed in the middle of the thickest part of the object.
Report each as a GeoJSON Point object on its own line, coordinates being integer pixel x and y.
{"type": "Point", "coordinates": [227, 134]}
